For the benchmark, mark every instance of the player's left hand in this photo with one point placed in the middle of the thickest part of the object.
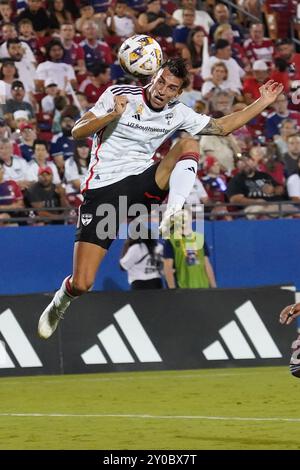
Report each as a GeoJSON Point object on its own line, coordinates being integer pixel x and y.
{"type": "Point", "coordinates": [289, 313]}
{"type": "Point", "coordinates": [270, 91]}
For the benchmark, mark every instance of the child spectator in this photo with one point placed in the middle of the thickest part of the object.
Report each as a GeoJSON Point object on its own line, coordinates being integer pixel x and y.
{"type": "Point", "coordinates": [51, 89]}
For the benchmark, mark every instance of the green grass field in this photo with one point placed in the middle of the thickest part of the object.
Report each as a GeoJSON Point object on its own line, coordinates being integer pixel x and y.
{"type": "Point", "coordinates": [253, 408]}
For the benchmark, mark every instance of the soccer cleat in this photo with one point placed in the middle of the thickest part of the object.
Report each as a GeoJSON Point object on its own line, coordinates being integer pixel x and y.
{"type": "Point", "coordinates": [168, 221]}
{"type": "Point", "coordinates": [49, 320]}
{"type": "Point", "coordinates": [295, 359]}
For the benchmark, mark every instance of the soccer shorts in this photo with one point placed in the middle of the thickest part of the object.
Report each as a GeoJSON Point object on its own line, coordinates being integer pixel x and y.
{"type": "Point", "coordinates": [139, 189]}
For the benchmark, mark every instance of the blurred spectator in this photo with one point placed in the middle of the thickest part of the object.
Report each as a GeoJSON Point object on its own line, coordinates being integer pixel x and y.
{"type": "Point", "coordinates": [95, 51]}
{"type": "Point", "coordinates": [52, 91]}
{"type": "Point", "coordinates": [155, 21]}
{"type": "Point", "coordinates": [285, 49]}
{"type": "Point", "coordinates": [252, 84]}
{"type": "Point", "coordinates": [258, 47]}
{"type": "Point", "coordinates": [58, 14]}
{"type": "Point", "coordinates": [251, 186]}
{"type": "Point", "coordinates": [15, 168]}
{"type": "Point", "coordinates": [221, 102]}
{"type": "Point", "coordinates": [142, 259]}
{"type": "Point", "coordinates": [198, 195]}
{"type": "Point", "coordinates": [182, 31]}
{"type": "Point", "coordinates": [9, 32]}
{"type": "Point", "coordinates": [99, 80]}
{"type": "Point", "coordinates": [193, 51]}
{"type": "Point", "coordinates": [28, 36]}
{"type": "Point", "coordinates": [121, 21]}
{"type": "Point", "coordinates": [10, 196]}
{"type": "Point", "coordinates": [8, 74]}
{"type": "Point", "coordinates": [218, 81]}
{"type": "Point", "coordinates": [202, 18]}
{"type": "Point", "coordinates": [225, 31]}
{"type": "Point", "coordinates": [28, 136]}
{"type": "Point", "coordinates": [269, 163]}
{"type": "Point", "coordinates": [214, 181]}
{"type": "Point", "coordinates": [25, 67]}
{"type": "Point", "coordinates": [186, 257]}
{"type": "Point", "coordinates": [222, 16]}
{"type": "Point", "coordinates": [280, 113]}
{"type": "Point", "coordinates": [190, 96]}
{"type": "Point", "coordinates": [40, 159]}
{"type": "Point", "coordinates": [83, 102]}
{"type": "Point", "coordinates": [62, 144]}
{"type": "Point", "coordinates": [73, 52]}
{"type": "Point", "coordinates": [60, 103]}
{"type": "Point", "coordinates": [17, 102]}
{"type": "Point", "coordinates": [87, 12]}
{"type": "Point", "coordinates": [293, 184]}
{"type": "Point", "coordinates": [287, 128]}
{"type": "Point", "coordinates": [44, 195]}
{"type": "Point", "coordinates": [6, 12]}
{"type": "Point", "coordinates": [280, 74]}
{"type": "Point", "coordinates": [37, 14]}
{"type": "Point", "coordinates": [279, 15]}
{"type": "Point", "coordinates": [53, 68]}
{"type": "Point", "coordinates": [76, 169]}
{"type": "Point", "coordinates": [223, 54]}
{"type": "Point", "coordinates": [291, 157]}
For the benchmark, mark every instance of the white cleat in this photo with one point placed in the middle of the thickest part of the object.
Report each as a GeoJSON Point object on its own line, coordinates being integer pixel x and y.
{"type": "Point", "coordinates": [49, 320]}
{"type": "Point", "coordinates": [168, 221]}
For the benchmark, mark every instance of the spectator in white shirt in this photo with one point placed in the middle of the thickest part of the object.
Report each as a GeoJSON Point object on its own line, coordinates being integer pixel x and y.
{"type": "Point", "coordinates": [223, 54]}
{"type": "Point", "coordinates": [15, 168]}
{"type": "Point", "coordinates": [40, 159]}
{"type": "Point", "coordinates": [76, 168]}
{"type": "Point", "coordinates": [218, 81]}
{"type": "Point", "coordinates": [52, 91]}
{"type": "Point", "coordinates": [293, 185]}
{"type": "Point", "coordinates": [201, 17]}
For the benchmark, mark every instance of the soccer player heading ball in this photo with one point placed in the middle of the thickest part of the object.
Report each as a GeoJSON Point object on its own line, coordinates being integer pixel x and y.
{"type": "Point", "coordinates": [129, 123]}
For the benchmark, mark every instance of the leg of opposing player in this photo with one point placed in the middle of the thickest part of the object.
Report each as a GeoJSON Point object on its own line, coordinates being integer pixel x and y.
{"type": "Point", "coordinates": [87, 259]}
{"type": "Point", "coordinates": [177, 171]}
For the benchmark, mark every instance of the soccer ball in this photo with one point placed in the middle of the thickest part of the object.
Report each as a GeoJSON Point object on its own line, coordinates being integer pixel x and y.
{"type": "Point", "coordinates": [140, 56]}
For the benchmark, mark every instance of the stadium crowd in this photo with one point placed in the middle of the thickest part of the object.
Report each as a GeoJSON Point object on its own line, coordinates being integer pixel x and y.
{"type": "Point", "coordinates": [58, 57]}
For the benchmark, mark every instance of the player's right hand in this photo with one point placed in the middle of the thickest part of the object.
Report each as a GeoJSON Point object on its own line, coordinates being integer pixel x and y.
{"type": "Point", "coordinates": [120, 104]}
{"type": "Point", "coordinates": [289, 313]}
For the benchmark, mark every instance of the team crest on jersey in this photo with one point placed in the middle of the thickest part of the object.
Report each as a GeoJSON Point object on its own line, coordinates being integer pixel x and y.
{"type": "Point", "coordinates": [86, 219]}
{"type": "Point", "coordinates": [139, 110]}
{"type": "Point", "coordinates": [169, 118]}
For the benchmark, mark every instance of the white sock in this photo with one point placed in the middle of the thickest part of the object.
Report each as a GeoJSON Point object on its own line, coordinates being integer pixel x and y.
{"type": "Point", "coordinates": [181, 183]}
{"type": "Point", "coordinates": [63, 298]}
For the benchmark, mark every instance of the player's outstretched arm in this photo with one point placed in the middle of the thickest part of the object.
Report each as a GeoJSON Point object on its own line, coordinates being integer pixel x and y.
{"type": "Point", "coordinates": [289, 313]}
{"type": "Point", "coordinates": [88, 124]}
{"type": "Point", "coordinates": [224, 125]}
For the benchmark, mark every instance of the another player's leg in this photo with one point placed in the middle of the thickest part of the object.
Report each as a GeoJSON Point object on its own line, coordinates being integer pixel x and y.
{"type": "Point", "coordinates": [177, 171]}
{"type": "Point", "coordinates": [87, 259]}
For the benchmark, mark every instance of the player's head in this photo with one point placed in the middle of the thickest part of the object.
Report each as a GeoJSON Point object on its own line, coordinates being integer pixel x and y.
{"type": "Point", "coordinates": [168, 82]}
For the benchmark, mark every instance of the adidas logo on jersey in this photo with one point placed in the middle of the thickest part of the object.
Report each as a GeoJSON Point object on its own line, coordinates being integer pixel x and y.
{"type": "Point", "coordinates": [130, 345]}
{"type": "Point", "coordinates": [137, 116]}
{"type": "Point", "coordinates": [191, 168]}
{"type": "Point", "coordinates": [236, 341]}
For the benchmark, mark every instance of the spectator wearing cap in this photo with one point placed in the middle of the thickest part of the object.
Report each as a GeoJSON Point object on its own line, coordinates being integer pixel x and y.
{"type": "Point", "coordinates": [51, 89]}
{"type": "Point", "coordinates": [44, 195]}
{"type": "Point", "coordinates": [74, 53]}
{"type": "Point", "coordinates": [252, 84]}
{"type": "Point", "coordinates": [155, 21]}
{"type": "Point", "coordinates": [40, 159]}
{"type": "Point", "coordinates": [55, 69]}
{"type": "Point", "coordinates": [11, 196]}
{"type": "Point", "coordinates": [37, 14]}
{"type": "Point", "coordinates": [99, 80]}
{"type": "Point", "coordinates": [28, 136]}
{"type": "Point", "coordinates": [223, 54]}
{"type": "Point", "coordinates": [257, 47]}
{"type": "Point", "coordinates": [222, 16]}
{"type": "Point", "coordinates": [280, 113]}
{"type": "Point", "coordinates": [17, 102]}
{"type": "Point", "coordinates": [15, 168]}
{"type": "Point", "coordinates": [95, 51]}
{"type": "Point", "coordinates": [202, 18]}
{"type": "Point", "coordinates": [285, 49]}
{"type": "Point", "coordinates": [214, 182]}
{"type": "Point", "coordinates": [121, 21]}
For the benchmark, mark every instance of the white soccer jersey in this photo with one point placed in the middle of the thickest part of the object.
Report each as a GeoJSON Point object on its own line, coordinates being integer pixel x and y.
{"type": "Point", "coordinates": [126, 146]}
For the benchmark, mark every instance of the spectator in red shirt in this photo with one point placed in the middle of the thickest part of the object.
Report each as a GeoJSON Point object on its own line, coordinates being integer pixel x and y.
{"type": "Point", "coordinates": [100, 79]}
{"type": "Point", "coordinates": [285, 50]}
{"type": "Point", "coordinates": [74, 53]}
{"type": "Point", "coordinates": [252, 85]}
{"type": "Point", "coordinates": [257, 46]}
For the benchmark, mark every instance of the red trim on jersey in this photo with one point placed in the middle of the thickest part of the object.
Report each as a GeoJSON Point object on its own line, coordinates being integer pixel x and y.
{"type": "Point", "coordinates": [97, 161]}
{"type": "Point", "coordinates": [190, 156]}
{"type": "Point", "coordinates": [151, 196]}
{"type": "Point", "coordinates": [69, 287]}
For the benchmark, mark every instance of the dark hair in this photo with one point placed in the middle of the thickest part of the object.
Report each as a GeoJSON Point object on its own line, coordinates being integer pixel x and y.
{"type": "Point", "coordinates": [196, 58]}
{"type": "Point", "coordinates": [5, 62]}
{"type": "Point", "coordinates": [12, 41]}
{"type": "Point", "coordinates": [178, 68]}
{"type": "Point", "coordinates": [99, 68]}
{"type": "Point", "coordinates": [60, 102]}
{"type": "Point", "coordinates": [40, 142]}
{"type": "Point", "coordinates": [281, 64]}
{"type": "Point", "coordinates": [17, 84]}
{"type": "Point", "coordinates": [149, 242]}
{"type": "Point", "coordinates": [52, 43]}
{"type": "Point", "coordinates": [81, 143]}
{"type": "Point", "coordinates": [221, 44]}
